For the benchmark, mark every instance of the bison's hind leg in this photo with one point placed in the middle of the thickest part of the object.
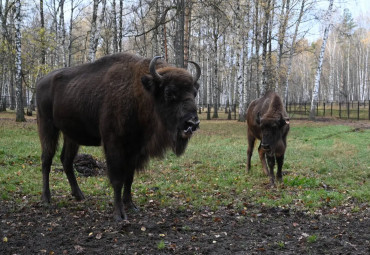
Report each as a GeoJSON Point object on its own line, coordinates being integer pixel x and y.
{"type": "Point", "coordinates": [67, 156]}
{"type": "Point", "coordinates": [49, 136]}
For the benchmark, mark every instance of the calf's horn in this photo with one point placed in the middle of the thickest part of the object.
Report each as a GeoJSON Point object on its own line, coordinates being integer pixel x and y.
{"type": "Point", "coordinates": [197, 67]}
{"type": "Point", "coordinates": [152, 70]}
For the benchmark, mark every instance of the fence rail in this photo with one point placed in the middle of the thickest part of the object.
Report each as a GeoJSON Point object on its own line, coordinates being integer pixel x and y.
{"type": "Point", "coordinates": [353, 110]}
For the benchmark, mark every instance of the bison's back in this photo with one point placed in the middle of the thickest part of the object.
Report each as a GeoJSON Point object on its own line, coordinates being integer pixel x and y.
{"type": "Point", "coordinates": [74, 99]}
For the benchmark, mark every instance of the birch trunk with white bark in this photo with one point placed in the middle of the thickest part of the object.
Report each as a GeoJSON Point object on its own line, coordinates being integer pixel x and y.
{"type": "Point", "coordinates": [18, 63]}
{"type": "Point", "coordinates": [316, 89]}
{"type": "Point", "coordinates": [92, 46]}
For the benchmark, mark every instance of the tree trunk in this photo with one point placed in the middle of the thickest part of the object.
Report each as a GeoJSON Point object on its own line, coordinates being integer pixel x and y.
{"type": "Point", "coordinates": [284, 16]}
{"type": "Point", "coordinates": [70, 35]}
{"type": "Point", "coordinates": [187, 31]}
{"type": "Point", "coordinates": [120, 33]}
{"type": "Point", "coordinates": [92, 46]}
{"type": "Point", "coordinates": [18, 63]}
{"type": "Point", "coordinates": [265, 82]}
{"type": "Point", "coordinates": [179, 36]}
{"type": "Point", "coordinates": [115, 28]}
{"type": "Point", "coordinates": [257, 44]}
{"type": "Point", "coordinates": [291, 53]}
{"type": "Point", "coordinates": [315, 92]}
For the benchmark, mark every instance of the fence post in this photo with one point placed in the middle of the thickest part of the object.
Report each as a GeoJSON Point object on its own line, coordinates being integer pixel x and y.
{"type": "Point", "coordinates": [305, 108]}
{"type": "Point", "coordinates": [331, 109]}
{"type": "Point", "coordinates": [234, 111]}
{"type": "Point", "coordinates": [324, 109]}
{"type": "Point", "coordinates": [347, 110]}
{"type": "Point", "coordinates": [358, 110]}
{"type": "Point", "coordinates": [317, 109]}
{"type": "Point", "coordinates": [208, 112]}
{"type": "Point", "coordinates": [369, 109]}
{"type": "Point", "coordinates": [340, 110]}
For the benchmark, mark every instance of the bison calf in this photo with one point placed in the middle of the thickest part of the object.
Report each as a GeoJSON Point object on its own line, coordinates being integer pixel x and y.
{"type": "Point", "coordinates": [135, 107]}
{"type": "Point", "coordinates": [268, 121]}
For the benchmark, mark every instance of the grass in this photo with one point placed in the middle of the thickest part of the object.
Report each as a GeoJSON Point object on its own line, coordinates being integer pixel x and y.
{"type": "Point", "coordinates": [326, 166]}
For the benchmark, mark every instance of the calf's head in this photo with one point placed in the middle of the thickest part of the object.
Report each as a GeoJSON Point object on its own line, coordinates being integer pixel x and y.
{"type": "Point", "coordinates": [272, 131]}
{"type": "Point", "coordinates": [174, 91]}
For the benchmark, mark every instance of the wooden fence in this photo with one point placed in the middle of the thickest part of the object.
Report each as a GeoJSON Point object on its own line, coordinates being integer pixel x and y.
{"type": "Point", "coordinates": [353, 110]}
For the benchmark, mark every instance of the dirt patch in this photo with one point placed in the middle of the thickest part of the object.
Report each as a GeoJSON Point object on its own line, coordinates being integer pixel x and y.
{"type": "Point", "coordinates": [82, 228]}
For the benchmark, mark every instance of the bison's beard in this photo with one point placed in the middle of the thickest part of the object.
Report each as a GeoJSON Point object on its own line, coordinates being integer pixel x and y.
{"type": "Point", "coordinates": [180, 143]}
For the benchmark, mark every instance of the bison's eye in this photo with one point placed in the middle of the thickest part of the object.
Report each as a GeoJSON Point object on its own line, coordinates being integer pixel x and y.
{"type": "Point", "coordinates": [169, 95]}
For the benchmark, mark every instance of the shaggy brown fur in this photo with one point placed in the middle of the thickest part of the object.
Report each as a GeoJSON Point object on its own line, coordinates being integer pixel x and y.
{"type": "Point", "coordinates": [268, 121]}
{"type": "Point", "coordinates": [119, 102]}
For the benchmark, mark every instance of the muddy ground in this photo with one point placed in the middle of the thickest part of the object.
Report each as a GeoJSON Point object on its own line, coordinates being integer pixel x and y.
{"type": "Point", "coordinates": [81, 228]}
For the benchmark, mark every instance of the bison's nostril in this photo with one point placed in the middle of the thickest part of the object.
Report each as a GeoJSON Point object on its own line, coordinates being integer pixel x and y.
{"type": "Point", "coordinates": [265, 146]}
{"type": "Point", "coordinates": [191, 125]}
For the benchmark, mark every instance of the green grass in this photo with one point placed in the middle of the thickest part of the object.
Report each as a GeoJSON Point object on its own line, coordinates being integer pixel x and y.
{"type": "Point", "coordinates": [325, 166]}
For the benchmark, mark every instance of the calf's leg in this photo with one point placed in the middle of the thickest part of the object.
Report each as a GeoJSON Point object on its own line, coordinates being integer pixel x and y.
{"type": "Point", "coordinates": [67, 156]}
{"type": "Point", "coordinates": [280, 162]}
{"type": "Point", "coordinates": [271, 163]}
{"type": "Point", "coordinates": [263, 160]}
{"type": "Point", "coordinates": [251, 140]}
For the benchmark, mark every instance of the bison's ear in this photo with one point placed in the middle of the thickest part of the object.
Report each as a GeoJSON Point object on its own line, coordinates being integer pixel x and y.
{"type": "Point", "coordinates": [147, 82]}
{"type": "Point", "coordinates": [284, 121]}
{"type": "Point", "coordinates": [258, 118]}
{"type": "Point", "coordinates": [196, 85]}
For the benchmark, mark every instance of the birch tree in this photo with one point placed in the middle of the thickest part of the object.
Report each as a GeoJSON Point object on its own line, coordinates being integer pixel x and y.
{"type": "Point", "coordinates": [18, 63]}
{"type": "Point", "coordinates": [92, 45]}
{"type": "Point", "coordinates": [315, 92]}
{"type": "Point", "coordinates": [285, 89]}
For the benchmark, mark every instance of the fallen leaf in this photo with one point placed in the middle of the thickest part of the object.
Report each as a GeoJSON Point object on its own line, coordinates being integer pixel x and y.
{"type": "Point", "coordinates": [78, 248]}
{"type": "Point", "coordinates": [217, 219]}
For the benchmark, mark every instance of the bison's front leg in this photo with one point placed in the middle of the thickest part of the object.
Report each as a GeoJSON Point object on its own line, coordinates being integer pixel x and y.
{"type": "Point", "coordinates": [116, 165]}
{"type": "Point", "coordinates": [118, 212]}
{"type": "Point", "coordinates": [127, 197]}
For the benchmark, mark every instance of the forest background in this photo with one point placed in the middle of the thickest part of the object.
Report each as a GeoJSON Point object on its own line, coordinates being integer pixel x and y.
{"type": "Point", "coordinates": [244, 47]}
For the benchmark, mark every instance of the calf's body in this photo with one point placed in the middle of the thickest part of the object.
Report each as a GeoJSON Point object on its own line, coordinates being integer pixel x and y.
{"type": "Point", "coordinates": [268, 122]}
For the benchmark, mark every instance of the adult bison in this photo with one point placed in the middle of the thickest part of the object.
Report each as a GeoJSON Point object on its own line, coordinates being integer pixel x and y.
{"type": "Point", "coordinates": [134, 107]}
{"type": "Point", "coordinates": [268, 121]}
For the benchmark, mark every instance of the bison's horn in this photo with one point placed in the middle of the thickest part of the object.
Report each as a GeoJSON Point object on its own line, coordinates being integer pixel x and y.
{"type": "Point", "coordinates": [197, 75]}
{"type": "Point", "coordinates": [152, 70]}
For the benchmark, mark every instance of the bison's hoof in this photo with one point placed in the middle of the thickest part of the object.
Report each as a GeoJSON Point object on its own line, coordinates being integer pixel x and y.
{"type": "Point", "coordinates": [120, 216]}
{"type": "Point", "coordinates": [46, 198]}
{"type": "Point", "coordinates": [78, 195]}
{"type": "Point", "coordinates": [130, 206]}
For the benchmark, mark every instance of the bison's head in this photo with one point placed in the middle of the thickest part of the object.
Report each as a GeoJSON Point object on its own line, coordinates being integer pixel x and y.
{"type": "Point", "coordinates": [174, 91]}
{"type": "Point", "coordinates": [272, 130]}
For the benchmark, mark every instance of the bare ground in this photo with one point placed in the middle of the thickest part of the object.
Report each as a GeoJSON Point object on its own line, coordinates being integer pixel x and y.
{"type": "Point", "coordinates": [83, 228]}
